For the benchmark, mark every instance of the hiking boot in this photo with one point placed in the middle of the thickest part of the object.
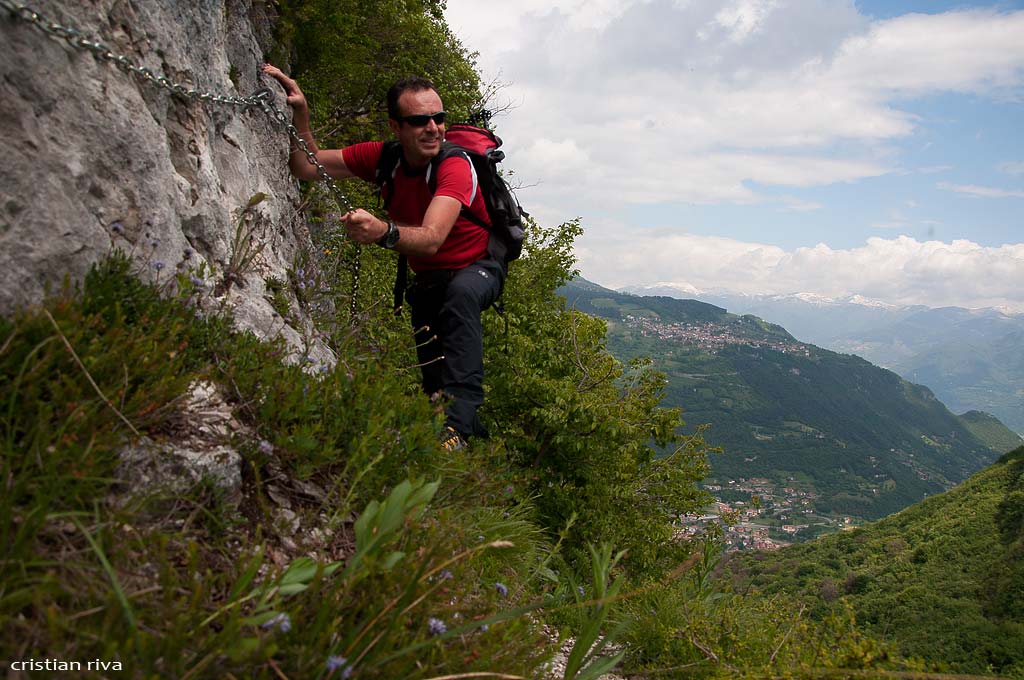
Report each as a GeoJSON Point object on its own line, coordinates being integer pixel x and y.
{"type": "Point", "coordinates": [451, 440]}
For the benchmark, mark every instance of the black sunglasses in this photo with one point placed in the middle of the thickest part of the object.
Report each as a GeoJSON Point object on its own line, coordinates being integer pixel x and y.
{"type": "Point", "coordinates": [421, 119]}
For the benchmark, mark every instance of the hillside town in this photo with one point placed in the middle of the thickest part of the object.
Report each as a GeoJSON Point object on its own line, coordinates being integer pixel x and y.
{"type": "Point", "coordinates": [709, 336]}
{"type": "Point", "coordinates": [772, 517]}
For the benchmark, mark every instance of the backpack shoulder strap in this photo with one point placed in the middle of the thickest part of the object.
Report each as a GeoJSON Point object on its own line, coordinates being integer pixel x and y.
{"type": "Point", "coordinates": [387, 166]}
{"type": "Point", "coordinates": [449, 149]}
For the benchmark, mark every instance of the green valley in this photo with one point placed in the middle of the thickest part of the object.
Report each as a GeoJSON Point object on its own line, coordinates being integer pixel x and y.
{"type": "Point", "coordinates": [858, 440]}
{"type": "Point", "coordinates": [943, 579]}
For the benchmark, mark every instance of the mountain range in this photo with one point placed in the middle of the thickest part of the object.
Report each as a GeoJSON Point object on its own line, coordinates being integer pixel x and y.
{"type": "Point", "coordinates": [859, 439]}
{"type": "Point", "coordinates": [972, 359]}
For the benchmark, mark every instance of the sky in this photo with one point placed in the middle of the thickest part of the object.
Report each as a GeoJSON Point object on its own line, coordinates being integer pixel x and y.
{"type": "Point", "coordinates": [834, 147]}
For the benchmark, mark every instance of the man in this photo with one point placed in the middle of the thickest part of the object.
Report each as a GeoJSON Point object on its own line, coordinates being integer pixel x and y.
{"type": "Point", "coordinates": [455, 278]}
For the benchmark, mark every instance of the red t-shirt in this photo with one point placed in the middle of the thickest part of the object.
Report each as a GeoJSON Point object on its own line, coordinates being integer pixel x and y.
{"type": "Point", "coordinates": [466, 242]}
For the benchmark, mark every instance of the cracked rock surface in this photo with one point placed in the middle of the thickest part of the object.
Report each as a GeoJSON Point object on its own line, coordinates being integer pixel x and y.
{"type": "Point", "coordinates": [96, 158]}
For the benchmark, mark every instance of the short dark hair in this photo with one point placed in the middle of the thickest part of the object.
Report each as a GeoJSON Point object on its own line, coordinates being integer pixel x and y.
{"type": "Point", "coordinates": [409, 83]}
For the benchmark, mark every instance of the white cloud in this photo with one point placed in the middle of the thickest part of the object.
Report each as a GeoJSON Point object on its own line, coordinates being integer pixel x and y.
{"type": "Point", "coordinates": [981, 192]}
{"type": "Point", "coordinates": [966, 51]}
{"type": "Point", "coordinates": [794, 204]}
{"type": "Point", "coordinates": [708, 101]}
{"type": "Point", "coordinates": [692, 101]}
{"type": "Point", "coordinates": [742, 18]}
{"type": "Point", "coordinates": [899, 270]}
{"type": "Point", "coordinates": [934, 169]}
{"type": "Point", "coordinates": [1015, 168]}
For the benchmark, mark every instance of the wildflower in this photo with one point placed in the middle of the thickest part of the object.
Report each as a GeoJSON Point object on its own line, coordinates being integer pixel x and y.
{"type": "Point", "coordinates": [501, 588]}
{"type": "Point", "coordinates": [327, 251]}
{"type": "Point", "coordinates": [335, 663]}
{"type": "Point", "coordinates": [436, 626]}
{"type": "Point", "coordinates": [281, 622]}
{"type": "Point", "coordinates": [445, 575]}
{"type": "Point", "coordinates": [579, 589]}
{"type": "Point", "coordinates": [324, 368]}
{"type": "Point", "coordinates": [158, 265]}
{"type": "Point", "coordinates": [197, 282]}
{"type": "Point", "coordinates": [266, 447]}
{"type": "Point", "coordinates": [187, 253]}
{"type": "Point", "coordinates": [302, 285]}
{"type": "Point", "coordinates": [117, 228]}
{"type": "Point", "coordinates": [484, 627]}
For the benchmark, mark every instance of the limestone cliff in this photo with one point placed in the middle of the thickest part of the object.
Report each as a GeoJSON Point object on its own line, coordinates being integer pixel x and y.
{"type": "Point", "coordinates": [96, 157]}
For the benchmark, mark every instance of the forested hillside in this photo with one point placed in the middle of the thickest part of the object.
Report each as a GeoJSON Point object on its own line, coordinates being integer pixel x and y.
{"type": "Point", "coordinates": [944, 579]}
{"type": "Point", "coordinates": [864, 441]}
{"type": "Point", "coordinates": [183, 498]}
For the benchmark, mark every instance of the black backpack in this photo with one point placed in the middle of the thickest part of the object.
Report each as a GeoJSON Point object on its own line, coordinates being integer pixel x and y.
{"type": "Point", "coordinates": [481, 147]}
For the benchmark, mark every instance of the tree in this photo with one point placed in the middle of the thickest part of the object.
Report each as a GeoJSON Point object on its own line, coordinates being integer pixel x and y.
{"type": "Point", "coordinates": [581, 424]}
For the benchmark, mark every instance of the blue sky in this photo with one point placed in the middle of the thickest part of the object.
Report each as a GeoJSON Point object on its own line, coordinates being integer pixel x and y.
{"type": "Point", "coordinates": [778, 146]}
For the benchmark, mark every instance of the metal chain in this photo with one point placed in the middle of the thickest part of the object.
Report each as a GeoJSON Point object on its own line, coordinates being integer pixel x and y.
{"type": "Point", "coordinates": [265, 99]}
{"type": "Point", "coordinates": [262, 99]}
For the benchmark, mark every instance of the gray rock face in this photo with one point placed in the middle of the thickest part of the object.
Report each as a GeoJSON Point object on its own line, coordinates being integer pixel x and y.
{"type": "Point", "coordinates": [89, 150]}
{"type": "Point", "coordinates": [202, 450]}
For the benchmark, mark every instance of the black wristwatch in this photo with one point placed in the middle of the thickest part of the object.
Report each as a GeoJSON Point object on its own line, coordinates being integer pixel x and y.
{"type": "Point", "coordinates": [390, 238]}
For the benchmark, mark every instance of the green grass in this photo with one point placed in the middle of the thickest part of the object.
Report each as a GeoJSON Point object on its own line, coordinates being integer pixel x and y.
{"type": "Point", "coordinates": [197, 584]}
{"type": "Point", "coordinates": [354, 545]}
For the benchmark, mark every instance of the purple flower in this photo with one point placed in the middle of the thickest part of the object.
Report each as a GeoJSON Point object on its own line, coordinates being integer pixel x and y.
{"type": "Point", "coordinates": [445, 575]}
{"type": "Point", "coordinates": [335, 663]}
{"type": "Point", "coordinates": [117, 228]}
{"type": "Point", "coordinates": [187, 253]}
{"type": "Point", "coordinates": [266, 447]}
{"type": "Point", "coordinates": [158, 265]}
{"type": "Point", "coordinates": [436, 626]}
{"type": "Point", "coordinates": [197, 282]}
{"type": "Point", "coordinates": [281, 622]}
{"type": "Point", "coordinates": [501, 588]}
{"type": "Point", "coordinates": [484, 627]}
{"type": "Point", "coordinates": [579, 589]}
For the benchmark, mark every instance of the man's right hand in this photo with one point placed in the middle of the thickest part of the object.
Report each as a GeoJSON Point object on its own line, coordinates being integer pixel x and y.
{"type": "Point", "coordinates": [295, 98]}
{"type": "Point", "coordinates": [331, 159]}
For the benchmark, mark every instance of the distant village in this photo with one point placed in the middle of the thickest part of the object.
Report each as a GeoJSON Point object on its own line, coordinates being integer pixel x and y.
{"type": "Point", "coordinates": [708, 336]}
{"type": "Point", "coordinates": [772, 518]}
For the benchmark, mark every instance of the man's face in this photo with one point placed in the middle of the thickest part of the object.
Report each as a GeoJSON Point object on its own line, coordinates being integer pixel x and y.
{"type": "Point", "coordinates": [424, 142]}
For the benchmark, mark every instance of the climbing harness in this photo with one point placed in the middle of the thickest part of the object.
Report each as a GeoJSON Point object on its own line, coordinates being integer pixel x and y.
{"type": "Point", "coordinates": [261, 99]}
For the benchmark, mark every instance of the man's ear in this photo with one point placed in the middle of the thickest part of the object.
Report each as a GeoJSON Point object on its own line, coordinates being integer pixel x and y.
{"type": "Point", "coordinates": [394, 125]}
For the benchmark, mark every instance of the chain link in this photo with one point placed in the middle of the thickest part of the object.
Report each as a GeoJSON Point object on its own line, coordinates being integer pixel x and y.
{"type": "Point", "coordinates": [265, 99]}
{"type": "Point", "coordinates": [262, 99]}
